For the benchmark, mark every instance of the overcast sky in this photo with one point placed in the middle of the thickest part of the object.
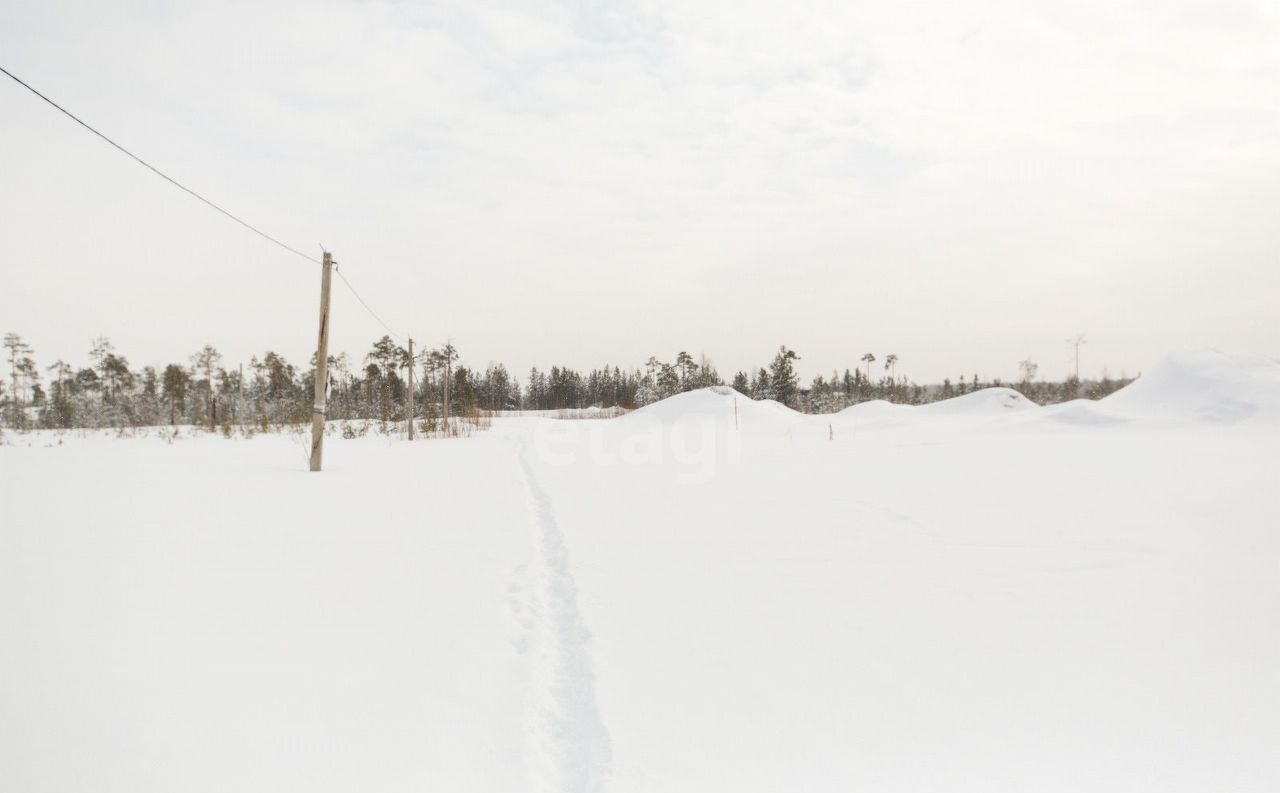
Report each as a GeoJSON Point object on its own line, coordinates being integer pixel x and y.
{"type": "Point", "coordinates": [965, 185]}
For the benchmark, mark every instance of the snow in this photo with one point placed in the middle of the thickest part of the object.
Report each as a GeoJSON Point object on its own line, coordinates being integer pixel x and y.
{"type": "Point", "coordinates": [593, 412]}
{"type": "Point", "coordinates": [208, 616]}
{"type": "Point", "coordinates": [983, 402]}
{"type": "Point", "coordinates": [1206, 385]}
{"type": "Point", "coordinates": [976, 595]}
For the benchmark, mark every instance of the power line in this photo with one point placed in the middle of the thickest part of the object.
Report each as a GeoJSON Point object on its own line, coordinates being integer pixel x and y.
{"type": "Point", "coordinates": [157, 171]}
{"type": "Point", "coordinates": [372, 313]}
{"type": "Point", "coordinates": [199, 197]}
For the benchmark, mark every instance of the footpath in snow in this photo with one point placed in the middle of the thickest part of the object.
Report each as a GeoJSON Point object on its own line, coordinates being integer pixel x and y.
{"type": "Point", "coordinates": [569, 748]}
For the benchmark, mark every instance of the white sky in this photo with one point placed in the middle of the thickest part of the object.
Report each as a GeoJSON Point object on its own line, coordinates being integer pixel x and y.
{"type": "Point", "coordinates": [965, 185]}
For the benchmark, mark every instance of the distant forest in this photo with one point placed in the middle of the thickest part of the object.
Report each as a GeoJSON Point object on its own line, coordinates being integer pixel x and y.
{"type": "Point", "coordinates": [269, 391]}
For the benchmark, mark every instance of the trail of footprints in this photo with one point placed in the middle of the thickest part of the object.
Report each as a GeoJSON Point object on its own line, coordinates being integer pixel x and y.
{"type": "Point", "coordinates": [568, 747]}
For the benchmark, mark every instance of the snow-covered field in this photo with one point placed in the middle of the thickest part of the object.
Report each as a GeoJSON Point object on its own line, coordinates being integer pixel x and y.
{"type": "Point", "coordinates": [977, 595]}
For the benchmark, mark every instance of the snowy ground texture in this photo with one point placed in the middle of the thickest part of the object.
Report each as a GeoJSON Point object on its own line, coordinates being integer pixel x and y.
{"type": "Point", "coordinates": [976, 595]}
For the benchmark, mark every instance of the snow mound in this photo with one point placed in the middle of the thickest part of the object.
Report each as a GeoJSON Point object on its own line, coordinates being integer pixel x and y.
{"type": "Point", "coordinates": [986, 402]}
{"type": "Point", "coordinates": [874, 409]}
{"type": "Point", "coordinates": [1081, 413]}
{"type": "Point", "coordinates": [776, 408]}
{"type": "Point", "coordinates": [714, 402]}
{"type": "Point", "coordinates": [979, 403]}
{"type": "Point", "coordinates": [700, 401]}
{"type": "Point", "coordinates": [1204, 385]}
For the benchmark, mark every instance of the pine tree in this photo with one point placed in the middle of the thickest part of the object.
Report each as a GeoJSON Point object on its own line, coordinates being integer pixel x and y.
{"type": "Point", "coordinates": [760, 388]}
{"type": "Point", "coordinates": [173, 387]}
{"type": "Point", "coordinates": [685, 368]}
{"type": "Point", "coordinates": [205, 363]}
{"type": "Point", "coordinates": [18, 350]}
{"type": "Point", "coordinates": [868, 359]}
{"type": "Point", "coordinates": [782, 376]}
{"type": "Point", "coordinates": [61, 412]}
{"type": "Point", "coordinates": [668, 381]}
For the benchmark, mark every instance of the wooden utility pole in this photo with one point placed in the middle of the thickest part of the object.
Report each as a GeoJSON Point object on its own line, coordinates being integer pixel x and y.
{"type": "Point", "coordinates": [410, 388]}
{"type": "Point", "coordinates": [322, 367]}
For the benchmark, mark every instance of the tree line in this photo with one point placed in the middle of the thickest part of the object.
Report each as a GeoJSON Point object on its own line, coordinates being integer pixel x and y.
{"type": "Point", "coordinates": [271, 392]}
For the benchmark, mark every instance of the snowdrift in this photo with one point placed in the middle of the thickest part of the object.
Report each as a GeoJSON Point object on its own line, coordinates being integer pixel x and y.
{"type": "Point", "coordinates": [1201, 386]}
{"type": "Point", "coordinates": [875, 409]}
{"type": "Point", "coordinates": [717, 403]}
{"type": "Point", "coordinates": [1081, 413]}
{"type": "Point", "coordinates": [987, 401]}
{"type": "Point", "coordinates": [1205, 385]}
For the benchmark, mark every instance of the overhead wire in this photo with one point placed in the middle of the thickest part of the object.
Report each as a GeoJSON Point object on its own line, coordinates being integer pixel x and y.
{"type": "Point", "coordinates": [372, 313]}
{"type": "Point", "coordinates": [198, 197]}
{"type": "Point", "coordinates": [157, 171]}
